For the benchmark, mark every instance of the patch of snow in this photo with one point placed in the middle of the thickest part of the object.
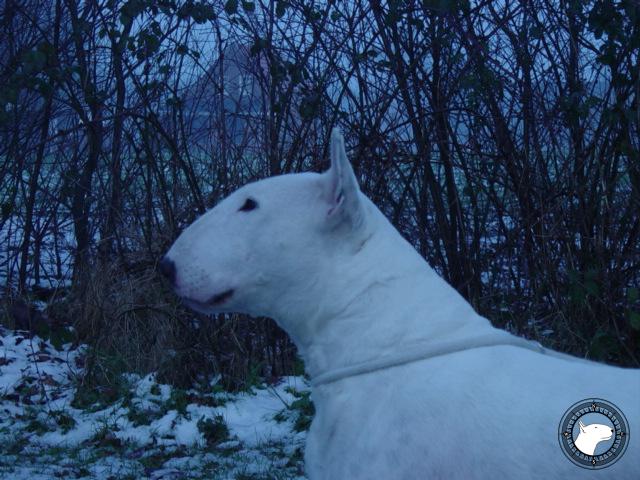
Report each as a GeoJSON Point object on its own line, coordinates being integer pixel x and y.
{"type": "Point", "coordinates": [36, 379]}
{"type": "Point", "coordinates": [186, 433]}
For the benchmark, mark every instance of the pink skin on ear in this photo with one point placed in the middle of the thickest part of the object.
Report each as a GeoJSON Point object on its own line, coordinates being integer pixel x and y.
{"type": "Point", "coordinates": [342, 192]}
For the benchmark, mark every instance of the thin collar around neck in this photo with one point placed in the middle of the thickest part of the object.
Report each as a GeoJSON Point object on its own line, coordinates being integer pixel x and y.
{"type": "Point", "coordinates": [494, 338]}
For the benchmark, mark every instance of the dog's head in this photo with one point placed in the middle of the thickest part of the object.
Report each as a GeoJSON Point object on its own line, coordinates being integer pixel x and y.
{"type": "Point", "coordinates": [596, 431]}
{"type": "Point", "coordinates": [269, 241]}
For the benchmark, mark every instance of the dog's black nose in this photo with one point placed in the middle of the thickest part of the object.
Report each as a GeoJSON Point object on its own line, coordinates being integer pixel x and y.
{"type": "Point", "coordinates": [168, 269]}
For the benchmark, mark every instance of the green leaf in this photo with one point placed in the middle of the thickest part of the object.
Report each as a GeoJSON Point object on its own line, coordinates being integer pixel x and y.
{"type": "Point", "coordinates": [311, 14]}
{"type": "Point", "coordinates": [633, 294]}
{"type": "Point", "coordinates": [577, 295]}
{"type": "Point", "coordinates": [591, 287]}
{"type": "Point", "coordinates": [231, 7]}
{"type": "Point", "coordinates": [257, 46]}
{"type": "Point", "coordinates": [248, 6]}
{"type": "Point", "coordinates": [34, 61]}
{"type": "Point", "coordinates": [6, 209]}
{"type": "Point", "coordinates": [310, 106]}
{"type": "Point", "coordinates": [281, 8]}
{"type": "Point", "coordinates": [148, 44]}
{"type": "Point", "coordinates": [602, 345]}
{"type": "Point", "coordinates": [9, 95]}
{"type": "Point", "coordinates": [125, 19]}
{"type": "Point", "coordinates": [174, 101]}
{"type": "Point", "coordinates": [47, 49]}
{"type": "Point", "coordinates": [200, 12]}
{"type": "Point", "coordinates": [296, 75]}
{"type": "Point", "coordinates": [391, 18]}
{"type": "Point", "coordinates": [59, 336]}
{"type": "Point", "coordinates": [634, 320]}
{"type": "Point", "coordinates": [132, 8]}
{"type": "Point", "coordinates": [335, 15]}
{"type": "Point", "coordinates": [43, 87]}
{"type": "Point", "coordinates": [536, 32]}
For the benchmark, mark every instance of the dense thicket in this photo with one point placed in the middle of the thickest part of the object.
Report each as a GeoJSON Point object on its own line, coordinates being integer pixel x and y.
{"type": "Point", "coordinates": [501, 138]}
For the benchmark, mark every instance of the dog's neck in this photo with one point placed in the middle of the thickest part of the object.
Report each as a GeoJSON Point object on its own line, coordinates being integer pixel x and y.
{"type": "Point", "coordinates": [382, 297]}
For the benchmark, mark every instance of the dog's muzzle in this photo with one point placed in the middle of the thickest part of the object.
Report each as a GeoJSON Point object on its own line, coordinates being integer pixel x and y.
{"type": "Point", "coordinates": [219, 298]}
{"type": "Point", "coordinates": [167, 269]}
{"type": "Point", "coordinates": [214, 301]}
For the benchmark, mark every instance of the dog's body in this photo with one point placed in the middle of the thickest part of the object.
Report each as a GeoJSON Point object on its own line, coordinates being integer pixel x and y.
{"type": "Point", "coordinates": [314, 253]}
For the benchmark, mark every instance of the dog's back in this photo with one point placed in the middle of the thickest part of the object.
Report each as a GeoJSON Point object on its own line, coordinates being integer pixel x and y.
{"type": "Point", "coordinates": [469, 415]}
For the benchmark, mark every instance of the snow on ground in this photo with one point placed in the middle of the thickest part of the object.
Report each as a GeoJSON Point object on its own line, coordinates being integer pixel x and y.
{"type": "Point", "coordinates": [152, 431]}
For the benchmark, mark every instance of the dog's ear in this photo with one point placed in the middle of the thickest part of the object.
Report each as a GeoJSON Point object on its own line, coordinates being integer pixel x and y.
{"type": "Point", "coordinates": [341, 191]}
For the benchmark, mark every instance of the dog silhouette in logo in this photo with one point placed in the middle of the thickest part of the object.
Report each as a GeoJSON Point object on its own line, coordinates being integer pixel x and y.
{"type": "Point", "coordinates": [591, 435]}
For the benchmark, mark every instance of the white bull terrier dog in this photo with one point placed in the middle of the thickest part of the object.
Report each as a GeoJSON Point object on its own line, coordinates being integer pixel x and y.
{"type": "Point", "coordinates": [591, 435]}
{"type": "Point", "coordinates": [409, 382]}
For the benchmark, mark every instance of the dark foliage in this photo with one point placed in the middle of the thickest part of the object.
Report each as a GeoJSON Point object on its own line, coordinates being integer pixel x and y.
{"type": "Point", "coordinates": [502, 139]}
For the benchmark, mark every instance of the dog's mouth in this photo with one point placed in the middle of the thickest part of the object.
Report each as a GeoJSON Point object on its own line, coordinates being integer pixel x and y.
{"type": "Point", "coordinates": [213, 301]}
{"type": "Point", "coordinates": [219, 298]}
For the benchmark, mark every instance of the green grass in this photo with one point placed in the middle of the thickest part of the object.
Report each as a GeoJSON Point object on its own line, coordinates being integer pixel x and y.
{"type": "Point", "coordinates": [139, 416]}
{"type": "Point", "coordinates": [74, 462]}
{"type": "Point", "coordinates": [305, 410]}
{"type": "Point", "coordinates": [214, 430]}
{"type": "Point", "coordinates": [65, 421]}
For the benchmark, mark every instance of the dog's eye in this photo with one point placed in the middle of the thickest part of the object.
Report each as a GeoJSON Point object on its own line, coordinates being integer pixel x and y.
{"type": "Point", "coordinates": [249, 204]}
